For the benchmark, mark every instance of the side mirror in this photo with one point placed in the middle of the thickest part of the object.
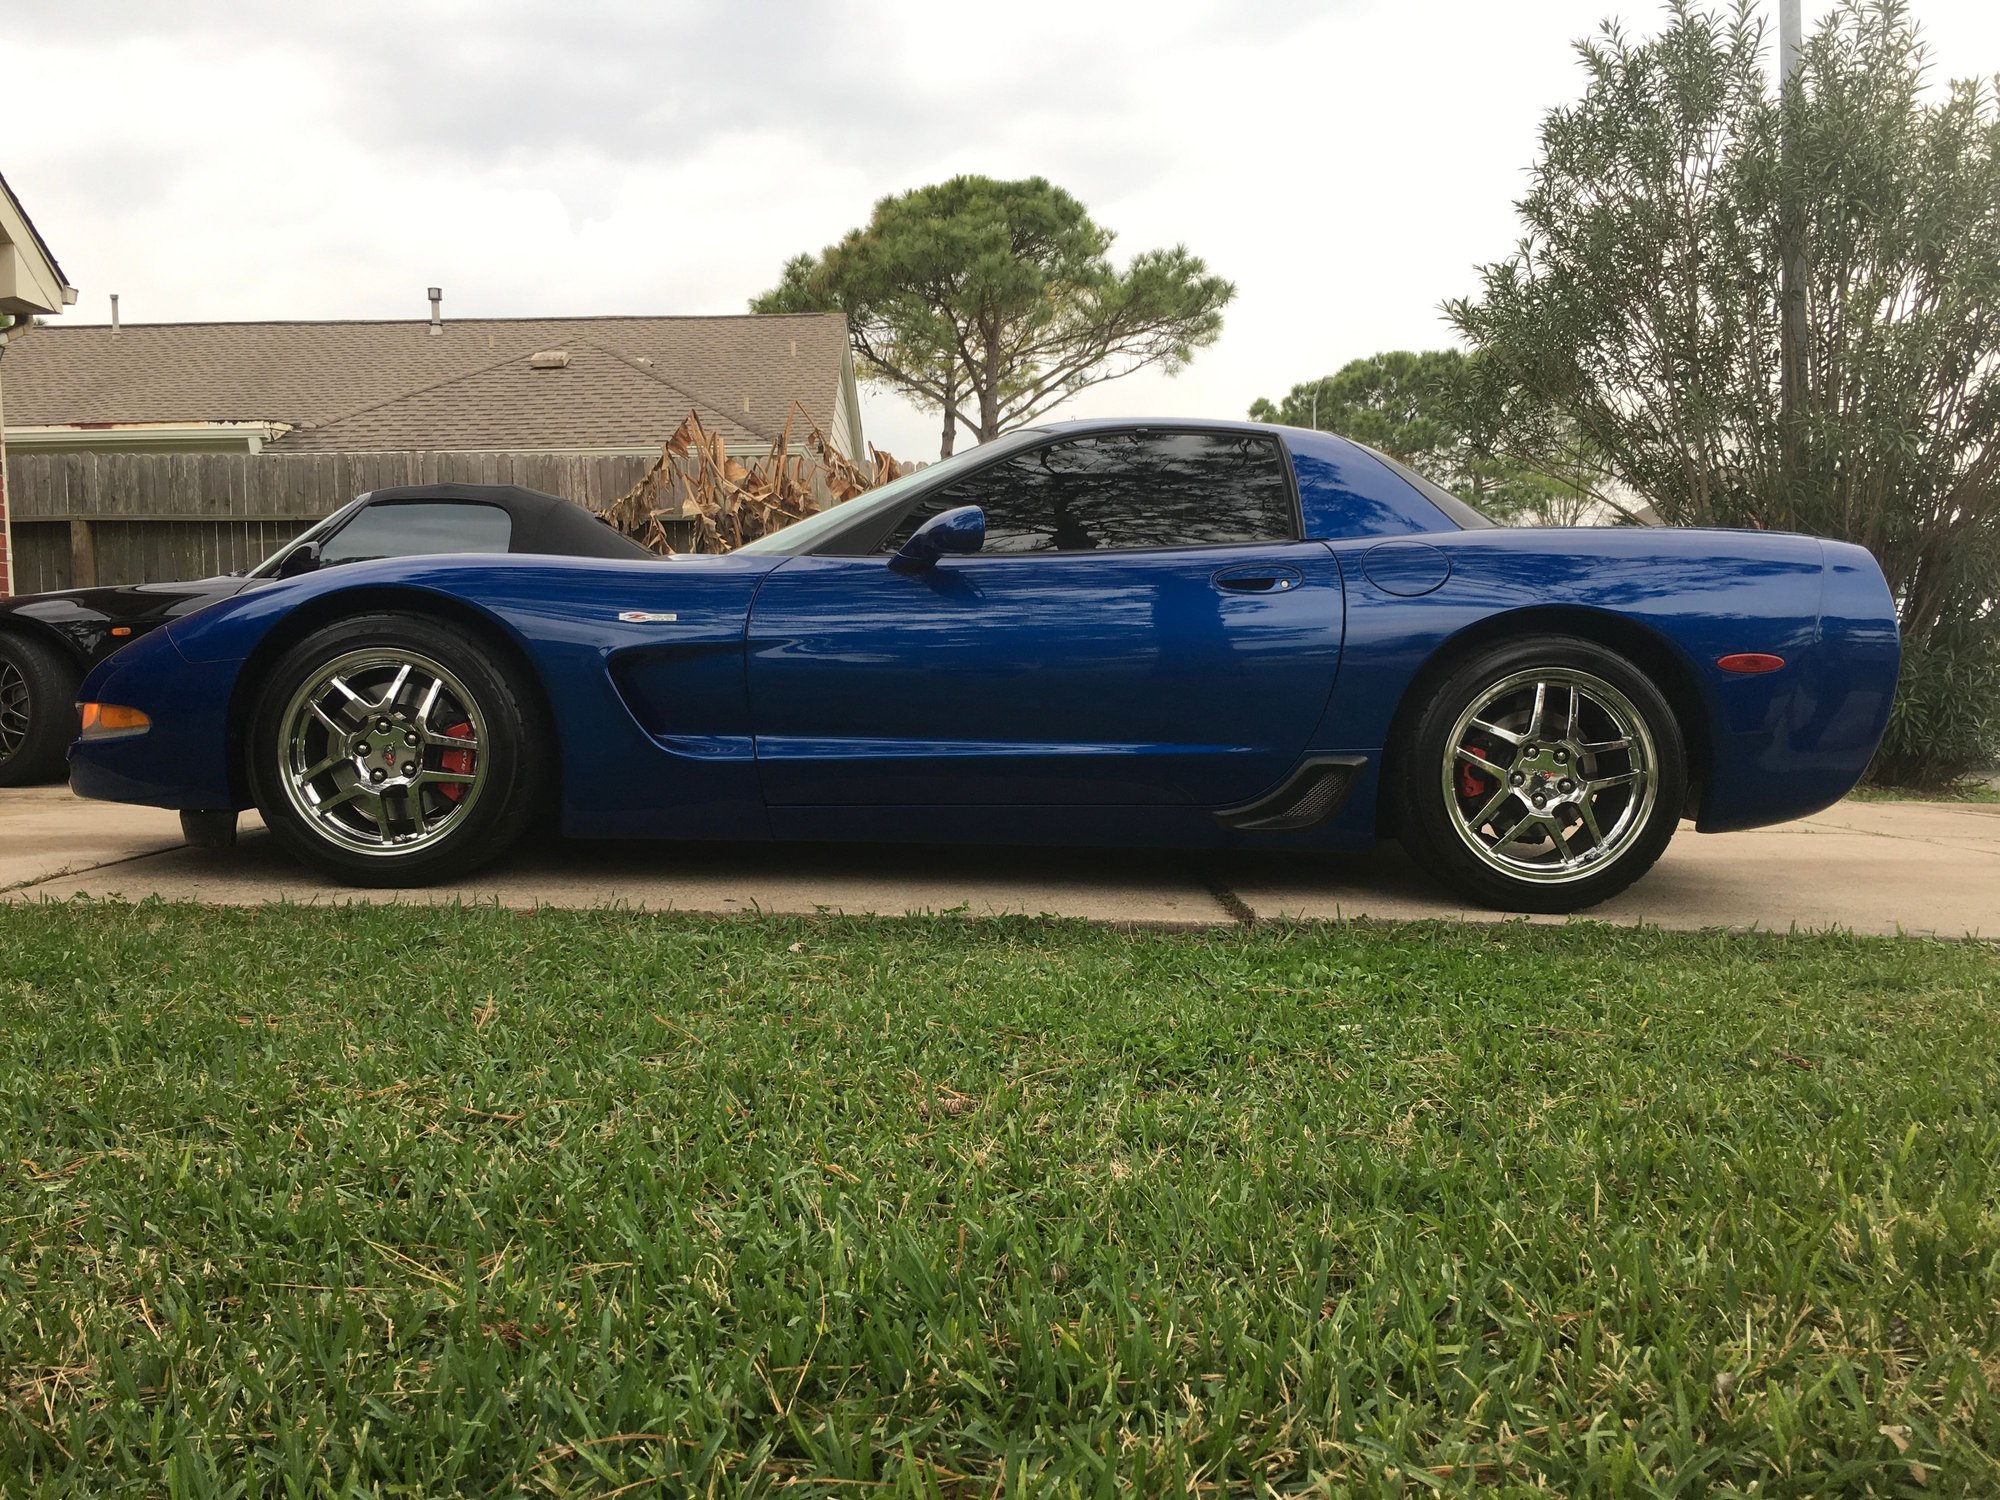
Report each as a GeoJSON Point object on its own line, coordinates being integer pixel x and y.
{"type": "Point", "coordinates": [961, 530]}
{"type": "Point", "coordinates": [303, 558]}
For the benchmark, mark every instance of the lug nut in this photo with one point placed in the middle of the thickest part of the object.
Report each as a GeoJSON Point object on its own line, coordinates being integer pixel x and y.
{"type": "Point", "coordinates": [382, 726]}
{"type": "Point", "coordinates": [410, 738]}
{"type": "Point", "coordinates": [1517, 778]}
{"type": "Point", "coordinates": [378, 774]}
{"type": "Point", "coordinates": [1566, 785]}
{"type": "Point", "coordinates": [409, 768]}
{"type": "Point", "coordinates": [361, 747]}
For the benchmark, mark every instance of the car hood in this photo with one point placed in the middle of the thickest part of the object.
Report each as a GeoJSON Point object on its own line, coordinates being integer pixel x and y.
{"type": "Point", "coordinates": [127, 601]}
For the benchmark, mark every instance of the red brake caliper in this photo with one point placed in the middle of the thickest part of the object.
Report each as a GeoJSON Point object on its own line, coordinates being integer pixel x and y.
{"type": "Point", "coordinates": [458, 762]}
{"type": "Point", "coordinates": [1470, 783]}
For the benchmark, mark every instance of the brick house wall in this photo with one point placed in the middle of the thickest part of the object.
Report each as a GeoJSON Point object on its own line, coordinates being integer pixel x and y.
{"type": "Point", "coordinates": [6, 530]}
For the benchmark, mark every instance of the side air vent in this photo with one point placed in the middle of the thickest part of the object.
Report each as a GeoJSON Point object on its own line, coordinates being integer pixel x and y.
{"type": "Point", "coordinates": [1314, 793]}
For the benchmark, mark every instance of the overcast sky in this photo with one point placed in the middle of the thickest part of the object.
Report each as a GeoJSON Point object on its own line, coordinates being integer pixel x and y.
{"type": "Point", "coordinates": [1347, 163]}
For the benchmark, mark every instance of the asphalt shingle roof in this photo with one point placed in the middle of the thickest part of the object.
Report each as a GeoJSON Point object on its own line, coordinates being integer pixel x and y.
{"type": "Point", "coordinates": [391, 386]}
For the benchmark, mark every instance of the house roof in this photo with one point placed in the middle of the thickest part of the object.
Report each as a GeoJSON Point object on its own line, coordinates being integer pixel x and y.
{"type": "Point", "coordinates": [14, 224]}
{"type": "Point", "coordinates": [389, 386]}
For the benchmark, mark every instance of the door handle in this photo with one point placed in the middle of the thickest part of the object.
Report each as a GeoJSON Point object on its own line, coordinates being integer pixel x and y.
{"type": "Point", "coordinates": [1261, 578]}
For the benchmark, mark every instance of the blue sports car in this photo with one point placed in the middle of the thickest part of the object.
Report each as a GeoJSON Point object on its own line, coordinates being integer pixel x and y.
{"type": "Point", "coordinates": [1127, 633]}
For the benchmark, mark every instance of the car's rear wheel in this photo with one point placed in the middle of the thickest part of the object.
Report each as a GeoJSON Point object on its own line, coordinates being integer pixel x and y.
{"type": "Point", "coordinates": [1545, 774]}
{"type": "Point", "coordinates": [395, 749]}
{"type": "Point", "coordinates": [37, 710]}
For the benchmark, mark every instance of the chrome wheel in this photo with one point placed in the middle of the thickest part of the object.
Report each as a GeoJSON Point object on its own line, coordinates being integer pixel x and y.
{"type": "Point", "coordinates": [13, 708]}
{"type": "Point", "coordinates": [1550, 775]}
{"type": "Point", "coordinates": [379, 751]}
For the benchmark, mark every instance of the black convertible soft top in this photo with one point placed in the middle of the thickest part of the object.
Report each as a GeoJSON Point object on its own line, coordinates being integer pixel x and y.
{"type": "Point", "coordinates": [542, 523]}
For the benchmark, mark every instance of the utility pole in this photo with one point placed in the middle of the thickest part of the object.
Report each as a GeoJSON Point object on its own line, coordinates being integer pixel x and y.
{"type": "Point", "coordinates": [1791, 262]}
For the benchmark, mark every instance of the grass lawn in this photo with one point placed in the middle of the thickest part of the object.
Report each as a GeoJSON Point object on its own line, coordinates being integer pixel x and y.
{"type": "Point", "coordinates": [1966, 791]}
{"type": "Point", "coordinates": [421, 1202]}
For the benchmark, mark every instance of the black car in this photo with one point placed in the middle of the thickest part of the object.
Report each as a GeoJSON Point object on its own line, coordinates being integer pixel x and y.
{"type": "Point", "coordinates": [48, 641]}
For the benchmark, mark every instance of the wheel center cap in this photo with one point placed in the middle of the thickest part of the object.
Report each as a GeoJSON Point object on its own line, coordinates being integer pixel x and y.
{"type": "Point", "coordinates": [384, 750]}
{"type": "Point", "coordinates": [1544, 771]}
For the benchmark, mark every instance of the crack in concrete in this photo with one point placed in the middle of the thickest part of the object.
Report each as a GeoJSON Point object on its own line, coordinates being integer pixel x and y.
{"type": "Point", "coordinates": [1239, 910]}
{"type": "Point", "coordinates": [1906, 838]}
{"type": "Point", "coordinates": [47, 877]}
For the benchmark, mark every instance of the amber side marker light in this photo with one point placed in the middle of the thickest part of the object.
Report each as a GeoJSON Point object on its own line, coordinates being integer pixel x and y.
{"type": "Point", "coordinates": [112, 721]}
{"type": "Point", "coordinates": [1750, 662]}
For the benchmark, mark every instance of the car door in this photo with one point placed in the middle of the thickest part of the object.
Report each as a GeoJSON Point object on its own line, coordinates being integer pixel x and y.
{"type": "Point", "coordinates": [1142, 626]}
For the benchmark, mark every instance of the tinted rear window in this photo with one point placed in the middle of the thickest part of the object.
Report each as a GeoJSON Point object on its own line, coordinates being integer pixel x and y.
{"type": "Point", "coordinates": [1465, 516]}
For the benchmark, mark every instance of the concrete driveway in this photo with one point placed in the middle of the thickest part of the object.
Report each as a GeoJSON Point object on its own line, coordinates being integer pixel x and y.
{"type": "Point", "coordinates": [1881, 867]}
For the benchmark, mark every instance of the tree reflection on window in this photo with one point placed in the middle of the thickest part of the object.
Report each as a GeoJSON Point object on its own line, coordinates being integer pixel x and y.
{"type": "Point", "coordinates": [1124, 490]}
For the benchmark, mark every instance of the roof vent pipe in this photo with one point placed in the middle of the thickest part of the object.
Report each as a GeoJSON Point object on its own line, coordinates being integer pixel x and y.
{"type": "Point", "coordinates": [437, 310]}
{"type": "Point", "coordinates": [114, 313]}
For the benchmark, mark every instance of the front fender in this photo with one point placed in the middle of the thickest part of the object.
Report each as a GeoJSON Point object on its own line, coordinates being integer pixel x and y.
{"type": "Point", "coordinates": [183, 760]}
{"type": "Point", "coordinates": [78, 634]}
{"type": "Point", "coordinates": [592, 632]}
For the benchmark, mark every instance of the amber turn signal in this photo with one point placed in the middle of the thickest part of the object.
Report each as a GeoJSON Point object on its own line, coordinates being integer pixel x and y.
{"type": "Point", "coordinates": [112, 721]}
{"type": "Point", "coordinates": [1750, 662]}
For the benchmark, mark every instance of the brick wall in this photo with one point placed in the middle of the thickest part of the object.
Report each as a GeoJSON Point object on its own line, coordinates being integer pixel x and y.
{"type": "Point", "coordinates": [6, 533]}
{"type": "Point", "coordinates": [6, 550]}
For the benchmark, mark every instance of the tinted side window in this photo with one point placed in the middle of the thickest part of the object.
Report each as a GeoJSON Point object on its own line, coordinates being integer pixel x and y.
{"type": "Point", "coordinates": [412, 528]}
{"type": "Point", "coordinates": [1126, 490]}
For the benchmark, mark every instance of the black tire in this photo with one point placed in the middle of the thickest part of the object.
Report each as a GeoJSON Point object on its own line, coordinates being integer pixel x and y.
{"type": "Point", "coordinates": [512, 761]}
{"type": "Point", "coordinates": [1448, 804]}
{"type": "Point", "coordinates": [37, 710]}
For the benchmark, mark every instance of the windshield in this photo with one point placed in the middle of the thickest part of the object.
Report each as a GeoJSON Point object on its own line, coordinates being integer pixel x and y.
{"type": "Point", "coordinates": [801, 535]}
{"type": "Point", "coordinates": [269, 566]}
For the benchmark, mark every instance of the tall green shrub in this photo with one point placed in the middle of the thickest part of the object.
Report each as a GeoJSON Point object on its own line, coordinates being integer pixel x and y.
{"type": "Point", "coordinates": [1643, 304]}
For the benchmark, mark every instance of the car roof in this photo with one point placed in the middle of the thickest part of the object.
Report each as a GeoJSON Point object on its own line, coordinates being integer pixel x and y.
{"type": "Point", "coordinates": [1077, 425]}
{"type": "Point", "coordinates": [542, 522]}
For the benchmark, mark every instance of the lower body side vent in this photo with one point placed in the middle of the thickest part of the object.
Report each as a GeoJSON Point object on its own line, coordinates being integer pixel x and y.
{"type": "Point", "coordinates": [1312, 794]}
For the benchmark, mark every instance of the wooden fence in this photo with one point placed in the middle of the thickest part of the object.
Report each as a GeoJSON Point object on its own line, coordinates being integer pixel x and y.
{"type": "Point", "coordinates": [99, 518]}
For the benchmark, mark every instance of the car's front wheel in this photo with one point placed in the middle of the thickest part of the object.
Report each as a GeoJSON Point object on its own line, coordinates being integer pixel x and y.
{"type": "Point", "coordinates": [37, 710]}
{"type": "Point", "coordinates": [1545, 774]}
{"type": "Point", "coordinates": [395, 749]}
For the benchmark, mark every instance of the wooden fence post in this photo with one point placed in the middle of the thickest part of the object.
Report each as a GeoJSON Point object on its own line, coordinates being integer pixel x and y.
{"type": "Point", "coordinates": [82, 554]}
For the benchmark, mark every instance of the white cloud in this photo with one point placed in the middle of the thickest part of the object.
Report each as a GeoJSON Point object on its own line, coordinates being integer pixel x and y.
{"type": "Point", "coordinates": [1346, 163]}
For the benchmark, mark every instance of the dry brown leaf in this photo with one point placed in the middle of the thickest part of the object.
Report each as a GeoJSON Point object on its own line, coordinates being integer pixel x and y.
{"type": "Point", "coordinates": [697, 498]}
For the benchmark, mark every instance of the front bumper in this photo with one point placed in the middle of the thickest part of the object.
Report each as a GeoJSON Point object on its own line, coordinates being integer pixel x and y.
{"type": "Point", "coordinates": [185, 759]}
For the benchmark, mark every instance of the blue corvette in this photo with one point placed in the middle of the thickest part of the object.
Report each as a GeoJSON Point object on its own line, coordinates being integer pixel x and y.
{"type": "Point", "coordinates": [1110, 633]}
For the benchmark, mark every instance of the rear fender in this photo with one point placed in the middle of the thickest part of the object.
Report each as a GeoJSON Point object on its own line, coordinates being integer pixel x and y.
{"type": "Point", "coordinates": [1777, 746]}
